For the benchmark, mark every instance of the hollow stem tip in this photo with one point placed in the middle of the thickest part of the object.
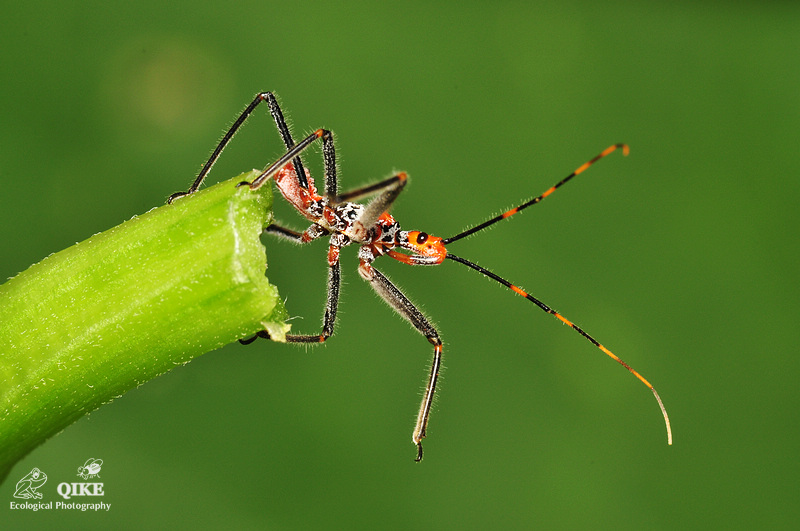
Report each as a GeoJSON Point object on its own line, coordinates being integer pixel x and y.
{"type": "Point", "coordinates": [89, 323]}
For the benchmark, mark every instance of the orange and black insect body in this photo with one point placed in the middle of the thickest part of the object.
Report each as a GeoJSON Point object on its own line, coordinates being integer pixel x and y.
{"type": "Point", "coordinates": [345, 222]}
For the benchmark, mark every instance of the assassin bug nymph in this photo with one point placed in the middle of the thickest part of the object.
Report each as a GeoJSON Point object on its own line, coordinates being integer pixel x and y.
{"type": "Point", "coordinates": [370, 226]}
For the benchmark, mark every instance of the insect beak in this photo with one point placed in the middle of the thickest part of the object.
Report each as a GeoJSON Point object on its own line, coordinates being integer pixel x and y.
{"type": "Point", "coordinates": [427, 250]}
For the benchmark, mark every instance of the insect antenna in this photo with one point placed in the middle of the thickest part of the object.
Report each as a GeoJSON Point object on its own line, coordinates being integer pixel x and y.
{"type": "Point", "coordinates": [609, 150]}
{"type": "Point", "coordinates": [546, 308]}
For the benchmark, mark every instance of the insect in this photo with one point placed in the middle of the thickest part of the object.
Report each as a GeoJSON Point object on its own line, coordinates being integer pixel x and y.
{"type": "Point", "coordinates": [344, 221]}
{"type": "Point", "coordinates": [91, 468]}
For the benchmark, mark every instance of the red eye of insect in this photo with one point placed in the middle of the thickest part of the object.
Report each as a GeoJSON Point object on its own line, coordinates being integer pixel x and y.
{"type": "Point", "coordinates": [422, 238]}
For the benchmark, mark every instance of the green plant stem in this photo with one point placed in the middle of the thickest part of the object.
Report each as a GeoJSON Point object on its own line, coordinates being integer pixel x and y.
{"type": "Point", "coordinates": [87, 324]}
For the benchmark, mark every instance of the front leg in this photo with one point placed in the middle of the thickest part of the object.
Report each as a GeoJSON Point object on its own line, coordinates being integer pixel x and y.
{"type": "Point", "coordinates": [331, 302]}
{"type": "Point", "coordinates": [334, 283]}
{"type": "Point", "coordinates": [397, 300]}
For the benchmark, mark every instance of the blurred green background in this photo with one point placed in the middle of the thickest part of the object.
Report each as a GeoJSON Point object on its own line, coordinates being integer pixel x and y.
{"type": "Point", "coordinates": [681, 258]}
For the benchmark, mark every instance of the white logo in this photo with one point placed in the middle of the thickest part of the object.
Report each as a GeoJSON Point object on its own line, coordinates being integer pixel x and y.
{"type": "Point", "coordinates": [27, 489]}
{"type": "Point", "coordinates": [90, 469]}
{"type": "Point", "coordinates": [28, 486]}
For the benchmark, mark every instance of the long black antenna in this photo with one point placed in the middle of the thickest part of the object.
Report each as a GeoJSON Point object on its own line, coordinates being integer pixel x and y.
{"type": "Point", "coordinates": [535, 200]}
{"type": "Point", "coordinates": [546, 308]}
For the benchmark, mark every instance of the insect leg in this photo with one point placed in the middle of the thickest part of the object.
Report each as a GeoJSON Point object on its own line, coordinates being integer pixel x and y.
{"type": "Point", "coordinates": [328, 152]}
{"type": "Point", "coordinates": [222, 144]}
{"type": "Point", "coordinates": [285, 233]}
{"type": "Point", "coordinates": [397, 300]}
{"type": "Point", "coordinates": [285, 132]}
{"type": "Point", "coordinates": [280, 123]}
{"type": "Point", "coordinates": [391, 190]}
{"type": "Point", "coordinates": [288, 157]}
{"type": "Point", "coordinates": [366, 191]}
{"type": "Point", "coordinates": [331, 302]}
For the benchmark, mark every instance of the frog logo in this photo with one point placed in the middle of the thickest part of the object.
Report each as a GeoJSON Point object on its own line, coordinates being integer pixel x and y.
{"type": "Point", "coordinates": [28, 486]}
{"type": "Point", "coordinates": [90, 469]}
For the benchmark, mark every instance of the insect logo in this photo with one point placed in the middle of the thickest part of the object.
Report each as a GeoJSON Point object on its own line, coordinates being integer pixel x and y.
{"type": "Point", "coordinates": [90, 469]}
{"type": "Point", "coordinates": [28, 486]}
{"type": "Point", "coordinates": [344, 221]}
